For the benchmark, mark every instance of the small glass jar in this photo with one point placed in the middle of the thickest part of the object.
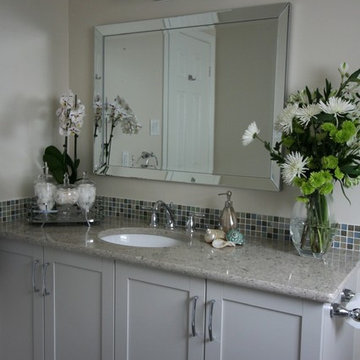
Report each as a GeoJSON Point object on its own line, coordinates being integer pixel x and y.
{"type": "Point", "coordinates": [66, 194]}
{"type": "Point", "coordinates": [87, 193]}
{"type": "Point", "coordinates": [45, 189]}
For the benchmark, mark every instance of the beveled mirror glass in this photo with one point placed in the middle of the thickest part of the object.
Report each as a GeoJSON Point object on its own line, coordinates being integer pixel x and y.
{"type": "Point", "coordinates": [174, 96]}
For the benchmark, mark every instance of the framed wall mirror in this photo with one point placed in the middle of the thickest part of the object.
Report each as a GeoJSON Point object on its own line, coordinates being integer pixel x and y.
{"type": "Point", "coordinates": [173, 96]}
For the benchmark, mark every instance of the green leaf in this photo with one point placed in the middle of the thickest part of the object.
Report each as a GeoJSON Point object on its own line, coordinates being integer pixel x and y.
{"type": "Point", "coordinates": [53, 151]}
{"type": "Point", "coordinates": [327, 90]}
{"type": "Point", "coordinates": [55, 161]}
{"type": "Point", "coordinates": [350, 170]}
{"type": "Point", "coordinates": [308, 94]}
{"type": "Point", "coordinates": [353, 77]}
{"type": "Point", "coordinates": [73, 168]}
{"type": "Point", "coordinates": [302, 199]}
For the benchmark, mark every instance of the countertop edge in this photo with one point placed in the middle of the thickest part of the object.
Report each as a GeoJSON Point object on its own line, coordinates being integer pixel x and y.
{"type": "Point", "coordinates": [293, 292]}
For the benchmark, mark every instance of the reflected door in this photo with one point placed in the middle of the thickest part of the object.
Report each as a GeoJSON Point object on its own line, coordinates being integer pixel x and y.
{"type": "Point", "coordinates": [190, 121]}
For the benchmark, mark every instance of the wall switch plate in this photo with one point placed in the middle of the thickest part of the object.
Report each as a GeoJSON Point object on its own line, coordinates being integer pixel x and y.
{"type": "Point", "coordinates": [154, 127]}
{"type": "Point", "coordinates": [125, 158]}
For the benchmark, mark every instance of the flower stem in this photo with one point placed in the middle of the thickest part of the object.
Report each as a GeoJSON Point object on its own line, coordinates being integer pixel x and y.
{"type": "Point", "coordinates": [75, 147]}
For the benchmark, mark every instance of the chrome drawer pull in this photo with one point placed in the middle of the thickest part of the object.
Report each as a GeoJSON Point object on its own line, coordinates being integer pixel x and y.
{"type": "Point", "coordinates": [193, 325]}
{"type": "Point", "coordinates": [45, 291]}
{"type": "Point", "coordinates": [34, 266]}
{"type": "Point", "coordinates": [210, 328]}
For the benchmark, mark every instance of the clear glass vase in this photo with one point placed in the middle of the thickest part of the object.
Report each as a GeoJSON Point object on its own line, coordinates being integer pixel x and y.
{"type": "Point", "coordinates": [312, 225]}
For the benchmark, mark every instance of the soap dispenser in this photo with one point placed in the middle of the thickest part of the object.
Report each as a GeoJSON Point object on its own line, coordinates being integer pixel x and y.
{"type": "Point", "coordinates": [228, 218]}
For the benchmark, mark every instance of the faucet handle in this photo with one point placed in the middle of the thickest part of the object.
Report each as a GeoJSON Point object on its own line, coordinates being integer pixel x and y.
{"type": "Point", "coordinates": [170, 216]}
{"type": "Point", "coordinates": [190, 224]}
{"type": "Point", "coordinates": [154, 222]}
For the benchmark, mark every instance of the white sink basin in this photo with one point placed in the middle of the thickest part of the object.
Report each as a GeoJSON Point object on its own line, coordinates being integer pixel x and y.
{"type": "Point", "coordinates": [127, 237]}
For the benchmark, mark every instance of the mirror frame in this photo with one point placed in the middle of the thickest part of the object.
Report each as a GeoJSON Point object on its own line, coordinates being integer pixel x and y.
{"type": "Point", "coordinates": [279, 11]}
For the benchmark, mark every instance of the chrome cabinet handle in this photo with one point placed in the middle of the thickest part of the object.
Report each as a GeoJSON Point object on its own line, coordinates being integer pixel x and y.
{"type": "Point", "coordinates": [193, 321]}
{"type": "Point", "coordinates": [347, 295]}
{"type": "Point", "coordinates": [34, 266]}
{"type": "Point", "coordinates": [45, 291]}
{"type": "Point", "coordinates": [210, 328]}
{"type": "Point", "coordinates": [337, 310]}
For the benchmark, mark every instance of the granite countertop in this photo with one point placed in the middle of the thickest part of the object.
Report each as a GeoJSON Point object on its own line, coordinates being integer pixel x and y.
{"type": "Point", "coordinates": [263, 264]}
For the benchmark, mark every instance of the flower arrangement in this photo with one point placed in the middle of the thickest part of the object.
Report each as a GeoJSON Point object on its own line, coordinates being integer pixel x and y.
{"type": "Point", "coordinates": [117, 112]}
{"type": "Point", "coordinates": [70, 113]}
{"type": "Point", "coordinates": [319, 145]}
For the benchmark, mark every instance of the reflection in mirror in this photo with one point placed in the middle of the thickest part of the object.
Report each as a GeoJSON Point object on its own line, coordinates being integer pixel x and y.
{"type": "Point", "coordinates": [182, 91]}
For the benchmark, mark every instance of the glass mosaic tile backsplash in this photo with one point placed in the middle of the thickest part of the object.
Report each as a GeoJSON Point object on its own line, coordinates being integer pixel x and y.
{"type": "Point", "coordinates": [264, 226]}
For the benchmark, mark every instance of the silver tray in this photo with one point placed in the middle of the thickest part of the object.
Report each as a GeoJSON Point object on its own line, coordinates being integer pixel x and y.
{"type": "Point", "coordinates": [65, 215]}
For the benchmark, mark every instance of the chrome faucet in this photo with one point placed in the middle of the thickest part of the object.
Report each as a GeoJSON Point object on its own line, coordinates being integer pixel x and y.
{"type": "Point", "coordinates": [170, 219]}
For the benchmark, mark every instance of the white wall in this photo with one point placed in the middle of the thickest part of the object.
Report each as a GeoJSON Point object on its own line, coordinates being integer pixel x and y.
{"type": "Point", "coordinates": [323, 33]}
{"type": "Point", "coordinates": [34, 63]}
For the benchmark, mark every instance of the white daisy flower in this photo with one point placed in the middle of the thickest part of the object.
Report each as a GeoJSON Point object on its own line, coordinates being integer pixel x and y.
{"type": "Point", "coordinates": [336, 106]}
{"type": "Point", "coordinates": [250, 133]}
{"type": "Point", "coordinates": [306, 113]}
{"type": "Point", "coordinates": [284, 120]}
{"type": "Point", "coordinates": [294, 166]}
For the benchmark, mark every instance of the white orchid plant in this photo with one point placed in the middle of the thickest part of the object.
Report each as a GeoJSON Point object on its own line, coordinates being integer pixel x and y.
{"type": "Point", "coordinates": [70, 113]}
{"type": "Point", "coordinates": [115, 113]}
{"type": "Point", "coordinates": [320, 137]}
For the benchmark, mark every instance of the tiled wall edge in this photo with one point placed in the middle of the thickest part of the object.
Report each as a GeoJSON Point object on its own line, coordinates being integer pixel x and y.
{"type": "Point", "coordinates": [11, 210]}
{"type": "Point", "coordinates": [264, 226]}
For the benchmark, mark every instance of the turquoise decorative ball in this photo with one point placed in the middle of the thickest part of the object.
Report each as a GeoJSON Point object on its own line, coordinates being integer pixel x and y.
{"type": "Point", "coordinates": [235, 236]}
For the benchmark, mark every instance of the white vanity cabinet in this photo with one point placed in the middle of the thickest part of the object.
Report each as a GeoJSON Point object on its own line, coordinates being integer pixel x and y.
{"type": "Point", "coordinates": [159, 315]}
{"type": "Point", "coordinates": [21, 309]}
{"type": "Point", "coordinates": [79, 309]}
{"type": "Point", "coordinates": [59, 305]}
{"type": "Point", "coordinates": [54, 305]}
{"type": "Point", "coordinates": [250, 324]}
{"type": "Point", "coordinates": [155, 314]}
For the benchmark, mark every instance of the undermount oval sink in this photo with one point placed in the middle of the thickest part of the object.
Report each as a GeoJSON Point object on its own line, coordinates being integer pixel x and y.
{"type": "Point", "coordinates": [130, 237]}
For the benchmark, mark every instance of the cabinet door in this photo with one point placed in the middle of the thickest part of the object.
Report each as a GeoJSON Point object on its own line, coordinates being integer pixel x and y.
{"type": "Point", "coordinates": [249, 324]}
{"type": "Point", "coordinates": [21, 308]}
{"type": "Point", "coordinates": [79, 309]}
{"type": "Point", "coordinates": [154, 315]}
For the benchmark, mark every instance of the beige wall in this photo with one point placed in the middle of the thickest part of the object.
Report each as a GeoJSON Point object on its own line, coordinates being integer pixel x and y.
{"type": "Point", "coordinates": [323, 33]}
{"type": "Point", "coordinates": [34, 63]}
{"type": "Point", "coordinates": [35, 70]}
{"type": "Point", "coordinates": [142, 89]}
{"type": "Point", "coordinates": [242, 78]}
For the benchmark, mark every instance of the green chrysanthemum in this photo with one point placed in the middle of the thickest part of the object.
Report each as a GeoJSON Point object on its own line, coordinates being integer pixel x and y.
{"type": "Point", "coordinates": [307, 188]}
{"type": "Point", "coordinates": [338, 174]}
{"type": "Point", "coordinates": [329, 162]}
{"type": "Point", "coordinates": [348, 130]}
{"type": "Point", "coordinates": [319, 178]}
{"type": "Point", "coordinates": [327, 188]}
